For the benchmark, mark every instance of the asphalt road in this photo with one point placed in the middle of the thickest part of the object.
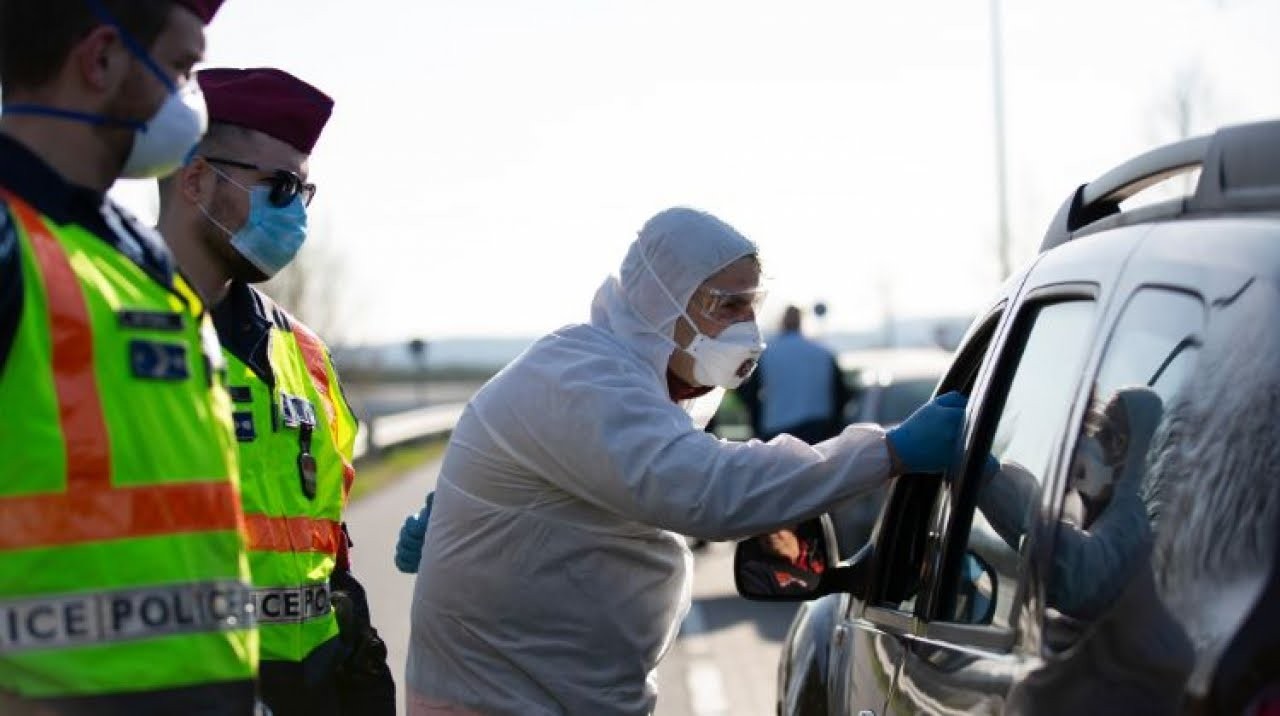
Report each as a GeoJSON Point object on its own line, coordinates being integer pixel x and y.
{"type": "Point", "coordinates": [723, 663]}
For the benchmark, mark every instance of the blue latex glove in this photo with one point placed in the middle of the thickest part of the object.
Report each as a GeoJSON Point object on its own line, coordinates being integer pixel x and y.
{"type": "Point", "coordinates": [412, 534]}
{"type": "Point", "coordinates": [926, 440]}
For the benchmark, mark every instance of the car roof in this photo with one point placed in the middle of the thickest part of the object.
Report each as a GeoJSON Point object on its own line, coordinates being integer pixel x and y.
{"type": "Point", "coordinates": [886, 365]}
{"type": "Point", "coordinates": [1239, 174]}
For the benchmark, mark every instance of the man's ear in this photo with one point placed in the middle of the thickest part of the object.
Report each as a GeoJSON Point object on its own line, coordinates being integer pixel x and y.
{"type": "Point", "coordinates": [101, 59]}
{"type": "Point", "coordinates": [195, 181]}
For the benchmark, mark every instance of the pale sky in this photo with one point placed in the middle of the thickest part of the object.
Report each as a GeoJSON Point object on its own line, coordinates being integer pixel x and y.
{"type": "Point", "coordinates": [489, 161]}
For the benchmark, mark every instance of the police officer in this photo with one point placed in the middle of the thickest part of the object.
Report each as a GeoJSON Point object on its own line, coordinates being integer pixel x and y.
{"type": "Point", "coordinates": [235, 215]}
{"type": "Point", "coordinates": [798, 388]}
{"type": "Point", "coordinates": [123, 571]}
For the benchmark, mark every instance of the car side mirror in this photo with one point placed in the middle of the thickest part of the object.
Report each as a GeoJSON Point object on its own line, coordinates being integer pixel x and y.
{"type": "Point", "coordinates": [796, 563]}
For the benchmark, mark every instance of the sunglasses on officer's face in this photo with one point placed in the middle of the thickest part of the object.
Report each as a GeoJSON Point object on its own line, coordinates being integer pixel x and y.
{"type": "Point", "coordinates": [285, 185]}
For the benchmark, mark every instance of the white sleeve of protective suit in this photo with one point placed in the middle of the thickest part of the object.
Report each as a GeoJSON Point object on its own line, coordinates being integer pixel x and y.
{"type": "Point", "coordinates": [754, 487]}
{"type": "Point", "coordinates": [599, 429]}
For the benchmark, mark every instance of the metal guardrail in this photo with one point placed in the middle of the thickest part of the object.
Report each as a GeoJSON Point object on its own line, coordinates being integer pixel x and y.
{"type": "Point", "coordinates": [378, 434]}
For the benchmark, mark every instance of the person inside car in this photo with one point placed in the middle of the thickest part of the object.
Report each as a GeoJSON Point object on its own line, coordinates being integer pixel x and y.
{"type": "Point", "coordinates": [1104, 530]}
{"type": "Point", "coordinates": [798, 389]}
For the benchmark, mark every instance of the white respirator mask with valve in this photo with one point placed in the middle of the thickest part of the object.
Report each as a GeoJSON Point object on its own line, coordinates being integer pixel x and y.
{"type": "Point", "coordinates": [728, 359]}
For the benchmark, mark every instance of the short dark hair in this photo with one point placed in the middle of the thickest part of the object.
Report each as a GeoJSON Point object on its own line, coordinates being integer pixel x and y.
{"type": "Point", "coordinates": [223, 136]}
{"type": "Point", "coordinates": [37, 35]}
{"type": "Point", "coordinates": [219, 137]}
{"type": "Point", "coordinates": [791, 319]}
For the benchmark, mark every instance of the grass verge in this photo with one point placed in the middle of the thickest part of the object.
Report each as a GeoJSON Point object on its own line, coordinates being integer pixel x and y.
{"type": "Point", "coordinates": [375, 474]}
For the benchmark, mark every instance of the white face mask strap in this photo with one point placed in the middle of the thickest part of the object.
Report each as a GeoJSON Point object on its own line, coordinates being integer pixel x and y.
{"type": "Point", "coordinates": [227, 176]}
{"type": "Point", "coordinates": [654, 274]}
{"type": "Point", "coordinates": [206, 212]}
{"type": "Point", "coordinates": [214, 221]}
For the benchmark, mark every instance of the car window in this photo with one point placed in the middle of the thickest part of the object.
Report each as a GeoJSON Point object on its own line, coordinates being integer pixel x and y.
{"type": "Point", "coordinates": [1103, 533]}
{"type": "Point", "coordinates": [900, 398]}
{"type": "Point", "coordinates": [902, 540]}
{"type": "Point", "coordinates": [1031, 402]}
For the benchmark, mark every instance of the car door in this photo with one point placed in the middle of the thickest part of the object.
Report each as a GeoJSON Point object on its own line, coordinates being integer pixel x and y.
{"type": "Point", "coordinates": [1157, 554]}
{"type": "Point", "coordinates": [976, 625]}
{"type": "Point", "coordinates": [958, 661]}
{"type": "Point", "coordinates": [870, 634]}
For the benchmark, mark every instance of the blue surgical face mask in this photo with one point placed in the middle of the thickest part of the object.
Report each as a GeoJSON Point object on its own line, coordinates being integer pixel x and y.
{"type": "Point", "coordinates": [272, 235]}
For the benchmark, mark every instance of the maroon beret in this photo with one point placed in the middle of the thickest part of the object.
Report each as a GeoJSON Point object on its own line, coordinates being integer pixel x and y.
{"type": "Point", "coordinates": [267, 100]}
{"type": "Point", "coordinates": [203, 9]}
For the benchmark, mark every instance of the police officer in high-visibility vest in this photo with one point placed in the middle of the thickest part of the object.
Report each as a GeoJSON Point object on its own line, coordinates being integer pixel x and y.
{"type": "Point", "coordinates": [124, 576]}
{"type": "Point", "coordinates": [235, 215]}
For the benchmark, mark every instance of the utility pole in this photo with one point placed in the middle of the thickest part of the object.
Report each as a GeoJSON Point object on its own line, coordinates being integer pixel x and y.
{"type": "Point", "coordinates": [997, 94]}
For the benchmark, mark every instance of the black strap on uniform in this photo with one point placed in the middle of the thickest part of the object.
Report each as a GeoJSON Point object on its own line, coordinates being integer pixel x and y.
{"type": "Point", "coordinates": [306, 462]}
{"type": "Point", "coordinates": [10, 284]}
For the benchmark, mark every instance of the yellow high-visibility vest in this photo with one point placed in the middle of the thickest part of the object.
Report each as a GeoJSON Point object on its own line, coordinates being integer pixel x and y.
{"type": "Point", "coordinates": [296, 435]}
{"type": "Point", "coordinates": [123, 563]}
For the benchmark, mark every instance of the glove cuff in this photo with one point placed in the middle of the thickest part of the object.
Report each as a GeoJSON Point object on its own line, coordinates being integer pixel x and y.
{"type": "Point", "coordinates": [896, 467]}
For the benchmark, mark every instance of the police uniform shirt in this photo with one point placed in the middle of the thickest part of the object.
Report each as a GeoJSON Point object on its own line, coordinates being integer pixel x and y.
{"type": "Point", "coordinates": [244, 319]}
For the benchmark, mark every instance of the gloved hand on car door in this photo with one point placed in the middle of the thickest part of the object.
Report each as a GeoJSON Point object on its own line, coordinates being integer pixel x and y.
{"type": "Point", "coordinates": [926, 440]}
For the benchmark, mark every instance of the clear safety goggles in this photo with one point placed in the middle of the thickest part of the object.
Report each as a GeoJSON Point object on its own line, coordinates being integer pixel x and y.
{"type": "Point", "coordinates": [729, 307]}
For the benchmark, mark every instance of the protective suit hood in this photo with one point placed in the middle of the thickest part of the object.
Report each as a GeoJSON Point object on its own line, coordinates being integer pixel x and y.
{"type": "Point", "coordinates": [684, 247]}
{"type": "Point", "coordinates": [1140, 410]}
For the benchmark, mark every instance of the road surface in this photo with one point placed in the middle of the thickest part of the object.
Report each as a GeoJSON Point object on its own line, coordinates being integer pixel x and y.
{"type": "Point", "coordinates": [723, 664]}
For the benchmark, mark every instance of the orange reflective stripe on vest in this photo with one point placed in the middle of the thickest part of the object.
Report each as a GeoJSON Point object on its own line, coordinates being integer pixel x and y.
{"type": "Point", "coordinates": [313, 353]}
{"type": "Point", "coordinates": [91, 509]}
{"type": "Point", "coordinates": [80, 412]}
{"type": "Point", "coordinates": [92, 514]}
{"type": "Point", "coordinates": [293, 534]}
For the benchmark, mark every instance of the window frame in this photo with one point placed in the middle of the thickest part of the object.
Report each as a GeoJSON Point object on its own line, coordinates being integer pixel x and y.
{"type": "Point", "coordinates": [906, 510]}
{"type": "Point", "coordinates": [957, 505]}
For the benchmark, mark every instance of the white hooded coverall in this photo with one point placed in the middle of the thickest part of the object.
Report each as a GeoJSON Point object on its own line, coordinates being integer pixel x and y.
{"type": "Point", "coordinates": [554, 575]}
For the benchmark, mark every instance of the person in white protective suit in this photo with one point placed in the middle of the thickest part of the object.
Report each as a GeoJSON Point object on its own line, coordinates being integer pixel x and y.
{"type": "Point", "coordinates": [554, 575]}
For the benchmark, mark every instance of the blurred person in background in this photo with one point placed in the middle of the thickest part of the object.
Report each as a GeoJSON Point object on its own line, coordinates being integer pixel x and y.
{"type": "Point", "coordinates": [235, 215]}
{"type": "Point", "coordinates": [124, 582]}
{"type": "Point", "coordinates": [798, 388]}
{"type": "Point", "coordinates": [553, 576]}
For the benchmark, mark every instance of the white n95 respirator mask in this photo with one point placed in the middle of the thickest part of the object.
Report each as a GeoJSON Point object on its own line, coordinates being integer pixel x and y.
{"type": "Point", "coordinates": [728, 359]}
{"type": "Point", "coordinates": [164, 143]}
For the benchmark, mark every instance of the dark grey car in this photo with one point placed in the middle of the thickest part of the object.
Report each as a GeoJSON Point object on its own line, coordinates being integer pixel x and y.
{"type": "Point", "coordinates": [1107, 542]}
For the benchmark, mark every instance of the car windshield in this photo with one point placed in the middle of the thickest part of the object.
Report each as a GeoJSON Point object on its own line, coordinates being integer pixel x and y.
{"type": "Point", "coordinates": [900, 398]}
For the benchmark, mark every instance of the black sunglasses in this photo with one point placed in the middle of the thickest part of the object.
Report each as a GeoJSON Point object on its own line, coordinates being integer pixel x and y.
{"type": "Point", "coordinates": [284, 184]}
